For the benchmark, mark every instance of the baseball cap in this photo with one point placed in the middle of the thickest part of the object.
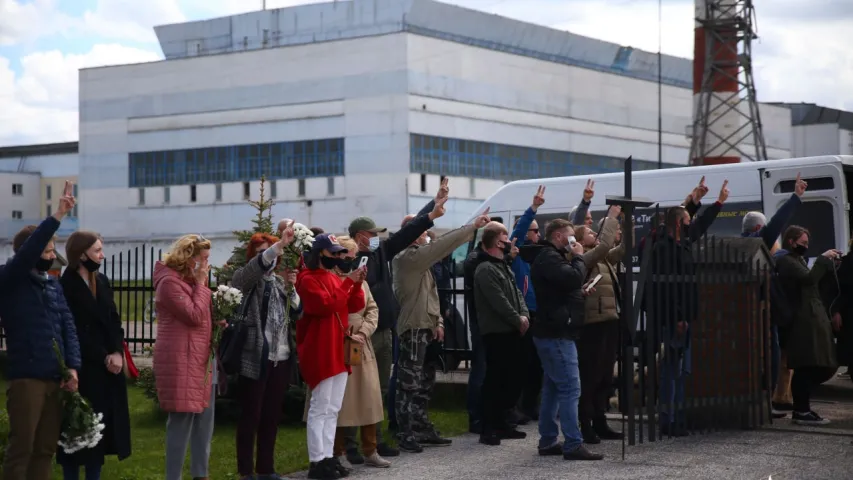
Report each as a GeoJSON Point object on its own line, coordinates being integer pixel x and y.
{"type": "Point", "coordinates": [328, 242]}
{"type": "Point", "coordinates": [364, 224]}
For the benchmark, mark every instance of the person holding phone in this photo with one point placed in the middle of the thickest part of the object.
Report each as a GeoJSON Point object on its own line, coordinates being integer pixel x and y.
{"type": "Point", "coordinates": [34, 314]}
{"type": "Point", "coordinates": [599, 342]}
{"type": "Point", "coordinates": [183, 373]}
{"type": "Point", "coordinates": [270, 307]}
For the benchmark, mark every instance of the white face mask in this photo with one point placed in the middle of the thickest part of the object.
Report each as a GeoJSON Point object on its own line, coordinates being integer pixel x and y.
{"type": "Point", "coordinates": [426, 242]}
{"type": "Point", "coordinates": [373, 244]}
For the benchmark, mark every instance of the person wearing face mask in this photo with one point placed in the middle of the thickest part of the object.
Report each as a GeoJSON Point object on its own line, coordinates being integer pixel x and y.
{"type": "Point", "coordinates": [379, 253]}
{"type": "Point", "coordinates": [183, 373]}
{"type": "Point", "coordinates": [599, 341]}
{"type": "Point", "coordinates": [808, 340]}
{"type": "Point", "coordinates": [270, 307]}
{"type": "Point", "coordinates": [327, 303]}
{"type": "Point", "coordinates": [672, 256]}
{"type": "Point", "coordinates": [558, 274]}
{"type": "Point", "coordinates": [420, 324]}
{"type": "Point", "coordinates": [503, 320]}
{"type": "Point", "coordinates": [362, 404]}
{"type": "Point", "coordinates": [102, 381]}
{"type": "Point", "coordinates": [34, 314]}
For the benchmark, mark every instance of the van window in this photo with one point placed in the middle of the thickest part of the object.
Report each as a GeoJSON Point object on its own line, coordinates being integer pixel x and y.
{"type": "Point", "coordinates": [819, 219]}
{"type": "Point", "coordinates": [819, 183]}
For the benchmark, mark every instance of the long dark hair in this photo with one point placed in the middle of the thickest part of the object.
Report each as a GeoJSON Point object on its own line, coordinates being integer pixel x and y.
{"type": "Point", "coordinates": [791, 235]}
{"type": "Point", "coordinates": [312, 259]}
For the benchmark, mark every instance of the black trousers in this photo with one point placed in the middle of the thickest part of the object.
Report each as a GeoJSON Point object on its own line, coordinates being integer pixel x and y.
{"type": "Point", "coordinates": [597, 349]}
{"type": "Point", "coordinates": [504, 371]}
{"type": "Point", "coordinates": [532, 376]}
{"type": "Point", "coordinates": [805, 379]}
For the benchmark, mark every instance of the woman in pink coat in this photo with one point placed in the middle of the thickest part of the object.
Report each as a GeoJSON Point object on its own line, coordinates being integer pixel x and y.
{"type": "Point", "coordinates": [182, 352]}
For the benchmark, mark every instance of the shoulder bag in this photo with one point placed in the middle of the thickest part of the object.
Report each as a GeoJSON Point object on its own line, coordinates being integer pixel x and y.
{"type": "Point", "coordinates": [234, 338]}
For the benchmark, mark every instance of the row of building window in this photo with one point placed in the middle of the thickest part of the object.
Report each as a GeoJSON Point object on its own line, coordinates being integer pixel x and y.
{"type": "Point", "coordinates": [242, 163]}
{"type": "Point", "coordinates": [273, 191]}
{"type": "Point", "coordinates": [469, 158]}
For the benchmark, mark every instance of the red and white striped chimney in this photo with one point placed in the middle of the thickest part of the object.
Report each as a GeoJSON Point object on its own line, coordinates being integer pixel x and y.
{"type": "Point", "coordinates": [723, 121]}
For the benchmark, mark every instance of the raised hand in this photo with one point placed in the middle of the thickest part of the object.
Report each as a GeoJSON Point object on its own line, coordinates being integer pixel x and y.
{"type": "Point", "coordinates": [589, 190]}
{"type": "Point", "coordinates": [614, 211]}
{"type": "Point", "coordinates": [513, 251]}
{"type": "Point", "coordinates": [443, 189]}
{"type": "Point", "coordinates": [287, 236]}
{"type": "Point", "coordinates": [724, 192]}
{"type": "Point", "coordinates": [66, 202]}
{"type": "Point", "coordinates": [539, 198]}
{"type": "Point", "coordinates": [699, 191]}
{"type": "Point", "coordinates": [438, 210]}
{"type": "Point", "coordinates": [483, 219]}
{"type": "Point", "coordinates": [800, 186]}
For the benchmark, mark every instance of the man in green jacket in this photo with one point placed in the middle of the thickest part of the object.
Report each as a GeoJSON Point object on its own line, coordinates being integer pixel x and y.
{"type": "Point", "coordinates": [503, 319]}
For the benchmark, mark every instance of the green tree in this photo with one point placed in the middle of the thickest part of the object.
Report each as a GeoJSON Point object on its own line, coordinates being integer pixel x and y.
{"type": "Point", "coordinates": [262, 224]}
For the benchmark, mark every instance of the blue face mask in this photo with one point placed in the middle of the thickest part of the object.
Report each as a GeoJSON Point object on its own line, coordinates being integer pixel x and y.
{"type": "Point", "coordinates": [373, 244]}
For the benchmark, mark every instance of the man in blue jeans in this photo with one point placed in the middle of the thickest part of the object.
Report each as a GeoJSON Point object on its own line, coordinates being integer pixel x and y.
{"type": "Point", "coordinates": [558, 282]}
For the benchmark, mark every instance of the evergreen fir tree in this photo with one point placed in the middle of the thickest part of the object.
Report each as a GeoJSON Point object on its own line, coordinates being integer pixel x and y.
{"type": "Point", "coordinates": [262, 224]}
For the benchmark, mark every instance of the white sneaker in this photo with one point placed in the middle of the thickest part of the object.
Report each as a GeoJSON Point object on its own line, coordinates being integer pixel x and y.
{"type": "Point", "coordinates": [376, 461]}
{"type": "Point", "coordinates": [345, 462]}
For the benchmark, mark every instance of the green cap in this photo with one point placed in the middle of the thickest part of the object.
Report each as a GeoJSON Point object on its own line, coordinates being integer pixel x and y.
{"type": "Point", "coordinates": [364, 224]}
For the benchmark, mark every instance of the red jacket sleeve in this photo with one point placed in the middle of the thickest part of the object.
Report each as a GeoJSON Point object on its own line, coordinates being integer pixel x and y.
{"type": "Point", "coordinates": [355, 302]}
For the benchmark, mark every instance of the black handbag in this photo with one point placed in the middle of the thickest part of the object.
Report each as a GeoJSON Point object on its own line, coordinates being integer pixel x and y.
{"type": "Point", "coordinates": [233, 339]}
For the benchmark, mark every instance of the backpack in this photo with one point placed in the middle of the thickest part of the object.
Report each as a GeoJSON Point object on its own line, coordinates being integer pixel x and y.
{"type": "Point", "coordinates": [783, 303]}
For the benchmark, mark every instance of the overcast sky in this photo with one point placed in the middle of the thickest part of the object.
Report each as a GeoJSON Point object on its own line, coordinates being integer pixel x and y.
{"type": "Point", "coordinates": [803, 55]}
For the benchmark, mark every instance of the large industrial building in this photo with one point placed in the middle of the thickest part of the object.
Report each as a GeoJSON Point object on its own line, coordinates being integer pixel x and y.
{"type": "Point", "coordinates": [359, 107]}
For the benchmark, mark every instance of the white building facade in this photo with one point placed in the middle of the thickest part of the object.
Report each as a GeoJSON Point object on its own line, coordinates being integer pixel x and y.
{"type": "Point", "coordinates": [820, 130]}
{"type": "Point", "coordinates": [358, 108]}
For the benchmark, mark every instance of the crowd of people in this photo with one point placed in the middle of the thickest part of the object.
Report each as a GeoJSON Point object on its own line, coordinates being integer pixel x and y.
{"type": "Point", "coordinates": [364, 316]}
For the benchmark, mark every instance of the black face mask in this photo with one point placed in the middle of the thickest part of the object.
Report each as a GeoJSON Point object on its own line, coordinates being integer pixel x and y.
{"type": "Point", "coordinates": [90, 265]}
{"type": "Point", "coordinates": [800, 250]}
{"type": "Point", "coordinates": [347, 266]}
{"type": "Point", "coordinates": [507, 248]}
{"type": "Point", "coordinates": [329, 263]}
{"type": "Point", "coordinates": [43, 265]}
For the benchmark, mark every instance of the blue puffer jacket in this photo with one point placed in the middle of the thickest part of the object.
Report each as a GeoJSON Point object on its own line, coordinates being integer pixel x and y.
{"type": "Point", "coordinates": [33, 313]}
{"type": "Point", "coordinates": [520, 268]}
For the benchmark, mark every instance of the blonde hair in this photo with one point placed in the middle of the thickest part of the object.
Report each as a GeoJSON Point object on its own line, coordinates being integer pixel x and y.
{"type": "Point", "coordinates": [185, 248]}
{"type": "Point", "coordinates": [348, 243]}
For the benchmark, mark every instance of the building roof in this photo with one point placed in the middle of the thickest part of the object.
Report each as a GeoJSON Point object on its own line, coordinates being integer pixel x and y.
{"type": "Point", "coordinates": [812, 114]}
{"type": "Point", "coordinates": [41, 149]}
{"type": "Point", "coordinates": [360, 18]}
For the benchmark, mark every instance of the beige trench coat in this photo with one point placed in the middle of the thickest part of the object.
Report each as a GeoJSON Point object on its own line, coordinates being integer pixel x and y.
{"type": "Point", "coordinates": [363, 398]}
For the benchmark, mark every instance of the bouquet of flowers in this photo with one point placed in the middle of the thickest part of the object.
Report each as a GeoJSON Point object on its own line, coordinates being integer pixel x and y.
{"type": "Point", "coordinates": [226, 302]}
{"type": "Point", "coordinates": [303, 239]}
{"type": "Point", "coordinates": [81, 426]}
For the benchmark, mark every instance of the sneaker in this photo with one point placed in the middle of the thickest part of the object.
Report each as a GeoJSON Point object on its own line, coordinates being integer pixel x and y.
{"type": "Point", "coordinates": [778, 413]}
{"type": "Point", "coordinates": [808, 418]}
{"type": "Point", "coordinates": [354, 457]}
{"type": "Point", "coordinates": [385, 450]}
{"type": "Point", "coordinates": [338, 467]}
{"type": "Point", "coordinates": [409, 445]}
{"type": "Point", "coordinates": [322, 471]}
{"type": "Point", "coordinates": [844, 374]}
{"type": "Point", "coordinates": [377, 461]}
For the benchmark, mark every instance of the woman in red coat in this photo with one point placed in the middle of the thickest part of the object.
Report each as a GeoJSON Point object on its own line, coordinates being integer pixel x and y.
{"type": "Point", "coordinates": [327, 302]}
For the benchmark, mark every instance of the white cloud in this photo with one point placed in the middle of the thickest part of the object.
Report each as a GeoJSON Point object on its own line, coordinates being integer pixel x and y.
{"type": "Point", "coordinates": [40, 105]}
{"type": "Point", "coordinates": [130, 19]}
{"type": "Point", "coordinates": [23, 22]}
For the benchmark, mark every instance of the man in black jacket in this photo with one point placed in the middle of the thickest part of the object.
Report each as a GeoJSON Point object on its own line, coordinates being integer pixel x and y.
{"type": "Point", "coordinates": [560, 300]}
{"type": "Point", "coordinates": [478, 356]}
{"type": "Point", "coordinates": [379, 253]}
{"type": "Point", "coordinates": [503, 318]}
{"type": "Point", "coordinates": [674, 300]}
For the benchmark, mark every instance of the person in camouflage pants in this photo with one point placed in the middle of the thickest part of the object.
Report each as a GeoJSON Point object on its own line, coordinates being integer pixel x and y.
{"type": "Point", "coordinates": [415, 381]}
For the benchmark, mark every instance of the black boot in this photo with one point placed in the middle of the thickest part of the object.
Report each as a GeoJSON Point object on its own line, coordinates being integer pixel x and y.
{"type": "Point", "coordinates": [589, 435]}
{"type": "Point", "coordinates": [603, 430]}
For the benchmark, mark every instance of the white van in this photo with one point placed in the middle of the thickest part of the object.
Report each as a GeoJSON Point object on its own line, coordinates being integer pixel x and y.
{"type": "Point", "coordinates": [754, 186]}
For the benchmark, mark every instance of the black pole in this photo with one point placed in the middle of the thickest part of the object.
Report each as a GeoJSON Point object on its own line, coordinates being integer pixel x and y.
{"type": "Point", "coordinates": [660, 85]}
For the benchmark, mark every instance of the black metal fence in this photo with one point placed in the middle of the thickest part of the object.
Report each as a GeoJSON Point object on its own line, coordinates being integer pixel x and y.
{"type": "Point", "coordinates": [699, 358]}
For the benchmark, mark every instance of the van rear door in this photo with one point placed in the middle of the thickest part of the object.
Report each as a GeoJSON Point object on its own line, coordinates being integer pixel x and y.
{"type": "Point", "coordinates": [823, 210]}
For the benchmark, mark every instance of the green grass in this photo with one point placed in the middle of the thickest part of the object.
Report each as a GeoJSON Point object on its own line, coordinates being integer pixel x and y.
{"type": "Point", "coordinates": [148, 427]}
{"type": "Point", "coordinates": [131, 305]}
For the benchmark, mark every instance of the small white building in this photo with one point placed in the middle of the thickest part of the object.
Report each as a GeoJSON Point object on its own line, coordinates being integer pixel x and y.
{"type": "Point", "coordinates": [820, 130]}
{"type": "Point", "coordinates": [31, 181]}
{"type": "Point", "coordinates": [358, 108]}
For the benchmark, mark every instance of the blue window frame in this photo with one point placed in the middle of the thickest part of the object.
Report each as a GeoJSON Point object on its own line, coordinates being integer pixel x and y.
{"type": "Point", "coordinates": [239, 163]}
{"type": "Point", "coordinates": [470, 158]}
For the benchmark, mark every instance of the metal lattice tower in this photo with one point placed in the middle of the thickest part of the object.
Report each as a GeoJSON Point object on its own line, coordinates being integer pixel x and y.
{"type": "Point", "coordinates": [725, 109]}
